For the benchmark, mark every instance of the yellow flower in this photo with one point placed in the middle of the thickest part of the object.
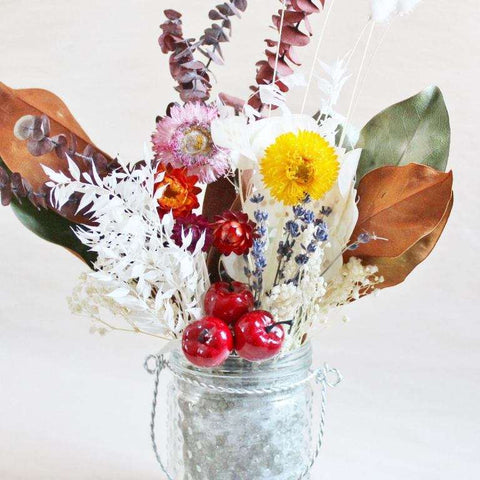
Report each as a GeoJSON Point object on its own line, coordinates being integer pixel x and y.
{"type": "Point", "coordinates": [298, 164]}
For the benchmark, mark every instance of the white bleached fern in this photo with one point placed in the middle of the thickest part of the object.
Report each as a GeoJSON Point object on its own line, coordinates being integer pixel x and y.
{"type": "Point", "coordinates": [154, 283]}
{"type": "Point", "coordinates": [331, 83]}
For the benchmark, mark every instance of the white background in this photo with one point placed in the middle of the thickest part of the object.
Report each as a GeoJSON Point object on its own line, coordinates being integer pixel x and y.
{"type": "Point", "coordinates": [75, 406]}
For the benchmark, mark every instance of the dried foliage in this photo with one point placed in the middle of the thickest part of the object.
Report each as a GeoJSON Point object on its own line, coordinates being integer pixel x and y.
{"type": "Point", "coordinates": [36, 128]}
{"type": "Point", "coordinates": [190, 73]}
{"type": "Point", "coordinates": [13, 185]}
{"type": "Point", "coordinates": [409, 206]}
{"type": "Point", "coordinates": [156, 284]}
{"type": "Point", "coordinates": [394, 270]}
{"type": "Point", "coordinates": [36, 212]}
{"type": "Point", "coordinates": [295, 32]}
{"type": "Point", "coordinates": [16, 104]}
{"type": "Point", "coordinates": [401, 204]}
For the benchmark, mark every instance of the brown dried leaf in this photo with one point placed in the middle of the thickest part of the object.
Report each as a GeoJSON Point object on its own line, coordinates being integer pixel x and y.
{"type": "Point", "coordinates": [395, 270]}
{"type": "Point", "coordinates": [402, 204]}
{"type": "Point", "coordinates": [218, 196]}
{"type": "Point", "coordinates": [14, 104]}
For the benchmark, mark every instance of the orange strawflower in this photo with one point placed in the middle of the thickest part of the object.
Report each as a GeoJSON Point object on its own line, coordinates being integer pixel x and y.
{"type": "Point", "coordinates": [180, 195]}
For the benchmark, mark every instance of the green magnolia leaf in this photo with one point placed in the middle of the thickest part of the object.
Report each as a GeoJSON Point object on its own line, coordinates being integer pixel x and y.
{"type": "Point", "coordinates": [416, 130]}
{"type": "Point", "coordinates": [50, 226]}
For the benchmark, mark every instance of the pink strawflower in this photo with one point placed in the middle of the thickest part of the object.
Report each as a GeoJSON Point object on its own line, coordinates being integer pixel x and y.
{"type": "Point", "coordinates": [183, 139]}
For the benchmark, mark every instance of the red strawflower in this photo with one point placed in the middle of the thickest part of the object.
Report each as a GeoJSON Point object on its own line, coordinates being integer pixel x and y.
{"type": "Point", "coordinates": [233, 232]}
{"type": "Point", "coordinates": [196, 225]}
{"type": "Point", "coordinates": [180, 194]}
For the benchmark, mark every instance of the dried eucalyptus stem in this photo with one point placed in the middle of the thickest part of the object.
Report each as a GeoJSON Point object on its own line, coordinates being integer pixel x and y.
{"type": "Point", "coordinates": [191, 74]}
{"type": "Point", "coordinates": [294, 30]}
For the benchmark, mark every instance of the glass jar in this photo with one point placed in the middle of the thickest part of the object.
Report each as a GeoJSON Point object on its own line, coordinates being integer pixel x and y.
{"type": "Point", "coordinates": [240, 421]}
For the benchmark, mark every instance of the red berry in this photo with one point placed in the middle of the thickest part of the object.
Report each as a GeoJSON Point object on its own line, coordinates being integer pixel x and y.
{"type": "Point", "coordinates": [257, 336]}
{"type": "Point", "coordinates": [207, 342]}
{"type": "Point", "coordinates": [228, 301]}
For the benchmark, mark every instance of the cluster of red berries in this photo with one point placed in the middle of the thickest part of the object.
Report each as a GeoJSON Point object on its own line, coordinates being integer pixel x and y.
{"type": "Point", "coordinates": [231, 324]}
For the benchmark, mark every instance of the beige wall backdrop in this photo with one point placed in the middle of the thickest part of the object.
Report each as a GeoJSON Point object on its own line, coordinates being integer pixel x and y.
{"type": "Point", "coordinates": [76, 406]}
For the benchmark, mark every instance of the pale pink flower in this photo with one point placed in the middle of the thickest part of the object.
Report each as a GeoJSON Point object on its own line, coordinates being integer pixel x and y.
{"type": "Point", "coordinates": [183, 139]}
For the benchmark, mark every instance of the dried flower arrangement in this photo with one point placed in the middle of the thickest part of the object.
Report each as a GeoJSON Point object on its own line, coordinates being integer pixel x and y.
{"type": "Point", "coordinates": [298, 217]}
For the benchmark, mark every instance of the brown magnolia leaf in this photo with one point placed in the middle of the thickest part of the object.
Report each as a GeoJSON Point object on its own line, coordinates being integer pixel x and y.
{"type": "Point", "coordinates": [219, 195]}
{"type": "Point", "coordinates": [15, 104]}
{"type": "Point", "coordinates": [395, 270]}
{"type": "Point", "coordinates": [402, 204]}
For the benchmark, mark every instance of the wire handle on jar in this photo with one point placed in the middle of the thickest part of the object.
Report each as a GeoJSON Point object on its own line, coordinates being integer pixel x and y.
{"type": "Point", "coordinates": [154, 365]}
{"type": "Point", "coordinates": [324, 376]}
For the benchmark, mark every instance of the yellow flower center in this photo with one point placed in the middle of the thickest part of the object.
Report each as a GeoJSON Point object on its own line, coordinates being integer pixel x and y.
{"type": "Point", "coordinates": [297, 164]}
{"type": "Point", "coordinates": [301, 173]}
{"type": "Point", "coordinates": [196, 140]}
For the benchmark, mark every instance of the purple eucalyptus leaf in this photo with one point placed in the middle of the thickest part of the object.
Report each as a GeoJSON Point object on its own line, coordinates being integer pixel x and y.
{"type": "Point", "coordinates": [6, 194]}
{"type": "Point", "coordinates": [101, 164]}
{"type": "Point", "coordinates": [17, 185]}
{"type": "Point", "coordinates": [194, 65]}
{"type": "Point", "coordinates": [225, 9]}
{"type": "Point", "coordinates": [241, 4]}
{"type": "Point", "coordinates": [24, 127]}
{"type": "Point", "coordinates": [45, 126]}
{"type": "Point", "coordinates": [61, 146]}
{"type": "Point", "coordinates": [172, 14]}
{"type": "Point", "coordinates": [37, 129]}
{"type": "Point", "coordinates": [216, 15]}
{"type": "Point", "coordinates": [4, 178]}
{"type": "Point", "coordinates": [37, 148]}
{"type": "Point", "coordinates": [215, 56]}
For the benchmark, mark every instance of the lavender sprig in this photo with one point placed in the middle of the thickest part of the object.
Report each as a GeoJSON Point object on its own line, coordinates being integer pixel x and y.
{"type": "Point", "coordinates": [302, 217]}
{"type": "Point", "coordinates": [320, 235]}
{"type": "Point", "coordinates": [255, 277]}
